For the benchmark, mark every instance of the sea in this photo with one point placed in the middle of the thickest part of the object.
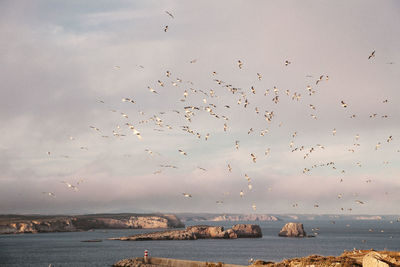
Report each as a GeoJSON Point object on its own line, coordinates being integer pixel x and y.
{"type": "Point", "coordinates": [66, 249]}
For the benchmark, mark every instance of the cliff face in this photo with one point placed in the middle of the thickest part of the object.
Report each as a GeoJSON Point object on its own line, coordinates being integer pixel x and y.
{"type": "Point", "coordinates": [200, 232]}
{"type": "Point", "coordinates": [60, 225]}
{"type": "Point", "coordinates": [80, 223]}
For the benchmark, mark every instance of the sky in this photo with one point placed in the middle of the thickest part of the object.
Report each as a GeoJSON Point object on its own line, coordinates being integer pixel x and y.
{"type": "Point", "coordinates": [66, 66]}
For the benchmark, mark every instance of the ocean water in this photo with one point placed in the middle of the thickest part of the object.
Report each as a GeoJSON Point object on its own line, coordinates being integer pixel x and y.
{"type": "Point", "coordinates": [66, 249]}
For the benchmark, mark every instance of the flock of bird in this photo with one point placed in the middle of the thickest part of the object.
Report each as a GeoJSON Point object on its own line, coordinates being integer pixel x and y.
{"type": "Point", "coordinates": [189, 112]}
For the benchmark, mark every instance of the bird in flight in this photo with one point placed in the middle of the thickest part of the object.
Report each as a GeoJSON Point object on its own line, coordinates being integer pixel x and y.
{"type": "Point", "coordinates": [372, 55]}
{"type": "Point", "coordinates": [240, 64]}
{"type": "Point", "coordinates": [343, 104]}
{"type": "Point", "coordinates": [186, 195]}
{"type": "Point", "coordinates": [169, 14]}
{"type": "Point", "coordinates": [166, 28]}
{"type": "Point", "coordinates": [287, 62]}
{"type": "Point", "coordinates": [182, 152]}
{"type": "Point", "coordinates": [229, 168]}
{"type": "Point", "coordinates": [254, 158]}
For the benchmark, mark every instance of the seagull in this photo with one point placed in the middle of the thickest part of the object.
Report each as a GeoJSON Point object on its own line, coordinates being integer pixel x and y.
{"type": "Point", "coordinates": [169, 14]}
{"type": "Point", "coordinates": [182, 152]}
{"type": "Point", "coordinates": [193, 61]}
{"type": "Point", "coordinates": [343, 104]}
{"type": "Point", "coordinates": [254, 206]}
{"type": "Point", "coordinates": [229, 168]}
{"type": "Point", "coordinates": [152, 90]}
{"type": "Point", "coordinates": [128, 100]}
{"type": "Point", "coordinates": [186, 195]}
{"type": "Point", "coordinates": [240, 64]}
{"type": "Point", "coordinates": [237, 145]}
{"type": "Point", "coordinates": [202, 169]}
{"type": "Point", "coordinates": [287, 62]}
{"type": "Point", "coordinates": [372, 55]}
{"type": "Point", "coordinates": [241, 193]}
{"type": "Point", "coordinates": [334, 131]}
{"type": "Point", "coordinates": [253, 157]}
{"type": "Point", "coordinates": [359, 202]}
{"type": "Point", "coordinates": [166, 28]}
{"type": "Point", "coordinates": [74, 188]}
{"type": "Point", "coordinates": [259, 76]}
{"type": "Point", "coordinates": [320, 79]}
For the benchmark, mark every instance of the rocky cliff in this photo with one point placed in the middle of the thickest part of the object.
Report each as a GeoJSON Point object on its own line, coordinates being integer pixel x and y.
{"type": "Point", "coordinates": [199, 232]}
{"type": "Point", "coordinates": [293, 230]}
{"type": "Point", "coordinates": [42, 224]}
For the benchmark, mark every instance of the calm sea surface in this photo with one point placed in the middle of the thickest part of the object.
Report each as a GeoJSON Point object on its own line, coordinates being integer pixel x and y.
{"type": "Point", "coordinates": [65, 249]}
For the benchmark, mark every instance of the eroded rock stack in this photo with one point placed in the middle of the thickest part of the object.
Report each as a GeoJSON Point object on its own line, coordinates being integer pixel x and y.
{"type": "Point", "coordinates": [293, 230]}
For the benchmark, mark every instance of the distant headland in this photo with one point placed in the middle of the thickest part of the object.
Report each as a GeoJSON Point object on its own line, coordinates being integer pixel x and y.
{"type": "Point", "coordinates": [15, 224]}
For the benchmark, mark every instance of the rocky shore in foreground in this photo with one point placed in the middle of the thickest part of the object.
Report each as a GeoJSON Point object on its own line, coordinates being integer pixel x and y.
{"type": "Point", "coordinates": [15, 224]}
{"type": "Point", "coordinates": [199, 232]}
{"type": "Point", "coordinates": [356, 258]}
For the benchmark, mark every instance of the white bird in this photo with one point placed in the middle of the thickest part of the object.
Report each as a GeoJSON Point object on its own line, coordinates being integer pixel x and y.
{"type": "Point", "coordinates": [152, 90]}
{"type": "Point", "coordinates": [240, 64]}
{"type": "Point", "coordinates": [73, 187]}
{"type": "Point", "coordinates": [237, 145]}
{"type": "Point", "coordinates": [186, 195]}
{"type": "Point", "coordinates": [128, 100]}
{"type": "Point", "coordinates": [254, 206]}
{"type": "Point", "coordinates": [254, 158]}
{"type": "Point", "coordinates": [182, 152]}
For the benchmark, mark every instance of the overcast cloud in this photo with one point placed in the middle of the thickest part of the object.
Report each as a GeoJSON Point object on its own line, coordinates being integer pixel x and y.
{"type": "Point", "coordinates": [60, 60]}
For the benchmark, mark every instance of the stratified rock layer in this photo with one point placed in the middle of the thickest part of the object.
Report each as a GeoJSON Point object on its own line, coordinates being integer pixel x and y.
{"type": "Point", "coordinates": [293, 230]}
{"type": "Point", "coordinates": [200, 232]}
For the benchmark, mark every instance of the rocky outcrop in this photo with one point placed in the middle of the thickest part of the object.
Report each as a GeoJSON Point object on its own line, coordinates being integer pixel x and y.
{"type": "Point", "coordinates": [200, 232]}
{"type": "Point", "coordinates": [293, 230]}
{"type": "Point", "coordinates": [247, 230]}
{"type": "Point", "coordinates": [87, 222]}
{"type": "Point", "coordinates": [379, 259]}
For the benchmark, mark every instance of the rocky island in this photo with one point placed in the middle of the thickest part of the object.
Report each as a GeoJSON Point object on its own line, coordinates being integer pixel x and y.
{"type": "Point", "coordinates": [199, 232]}
{"type": "Point", "coordinates": [15, 224]}
{"type": "Point", "coordinates": [293, 230]}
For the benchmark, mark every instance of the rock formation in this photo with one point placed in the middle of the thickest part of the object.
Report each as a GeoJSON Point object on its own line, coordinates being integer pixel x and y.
{"type": "Point", "coordinates": [248, 217]}
{"type": "Point", "coordinates": [293, 230]}
{"type": "Point", "coordinates": [22, 224]}
{"type": "Point", "coordinates": [199, 232]}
